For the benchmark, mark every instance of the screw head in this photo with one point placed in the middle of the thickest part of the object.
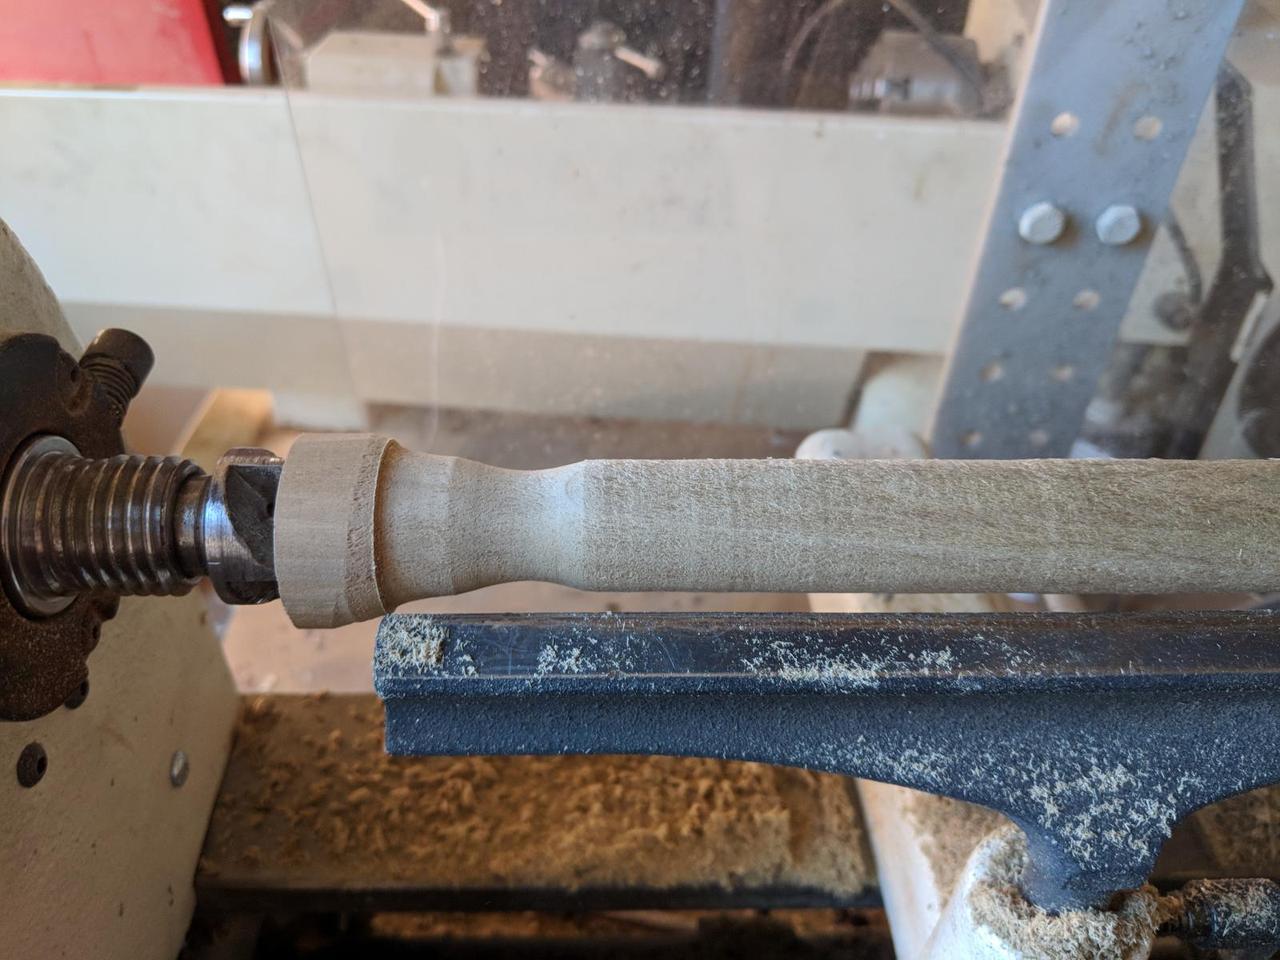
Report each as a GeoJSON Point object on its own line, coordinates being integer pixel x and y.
{"type": "Point", "coordinates": [1118, 225]}
{"type": "Point", "coordinates": [1041, 223]}
{"type": "Point", "coordinates": [179, 768]}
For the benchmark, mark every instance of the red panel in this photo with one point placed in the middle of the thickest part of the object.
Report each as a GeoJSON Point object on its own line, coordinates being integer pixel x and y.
{"type": "Point", "coordinates": [115, 42]}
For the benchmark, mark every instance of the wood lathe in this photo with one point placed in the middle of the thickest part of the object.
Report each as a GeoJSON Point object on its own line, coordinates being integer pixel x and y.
{"type": "Point", "coordinates": [978, 675]}
{"type": "Point", "coordinates": [350, 526]}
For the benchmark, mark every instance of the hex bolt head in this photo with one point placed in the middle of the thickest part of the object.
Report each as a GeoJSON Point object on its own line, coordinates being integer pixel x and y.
{"type": "Point", "coordinates": [179, 768]}
{"type": "Point", "coordinates": [1041, 223]}
{"type": "Point", "coordinates": [1118, 225]}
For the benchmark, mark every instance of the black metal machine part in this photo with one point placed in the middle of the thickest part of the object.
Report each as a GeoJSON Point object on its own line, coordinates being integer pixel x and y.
{"type": "Point", "coordinates": [82, 522]}
{"type": "Point", "coordinates": [1240, 278]}
{"type": "Point", "coordinates": [1094, 733]}
{"type": "Point", "coordinates": [1160, 401]}
{"type": "Point", "coordinates": [45, 392]}
{"type": "Point", "coordinates": [1229, 915]}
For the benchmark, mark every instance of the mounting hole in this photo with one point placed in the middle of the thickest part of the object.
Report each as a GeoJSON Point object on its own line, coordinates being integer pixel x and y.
{"type": "Point", "coordinates": [1147, 127]}
{"type": "Point", "coordinates": [1038, 437]}
{"type": "Point", "coordinates": [972, 439]}
{"type": "Point", "coordinates": [1064, 124]}
{"type": "Point", "coordinates": [1063, 372]}
{"type": "Point", "coordinates": [80, 695]}
{"type": "Point", "coordinates": [1015, 298]}
{"type": "Point", "coordinates": [32, 764]}
{"type": "Point", "coordinates": [1086, 300]}
{"type": "Point", "coordinates": [992, 372]}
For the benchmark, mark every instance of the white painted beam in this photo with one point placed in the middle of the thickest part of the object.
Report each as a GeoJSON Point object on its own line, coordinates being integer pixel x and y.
{"type": "Point", "coordinates": [287, 242]}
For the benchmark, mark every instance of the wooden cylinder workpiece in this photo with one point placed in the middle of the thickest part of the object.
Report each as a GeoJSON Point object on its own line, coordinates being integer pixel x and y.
{"type": "Point", "coordinates": [363, 525]}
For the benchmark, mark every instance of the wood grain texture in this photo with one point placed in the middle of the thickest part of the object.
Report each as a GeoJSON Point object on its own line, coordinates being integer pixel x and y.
{"type": "Point", "coordinates": [326, 527]}
{"type": "Point", "coordinates": [417, 525]}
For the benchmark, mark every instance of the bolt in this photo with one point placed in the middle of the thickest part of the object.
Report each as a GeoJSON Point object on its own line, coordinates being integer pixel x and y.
{"type": "Point", "coordinates": [119, 361]}
{"type": "Point", "coordinates": [1118, 224]}
{"type": "Point", "coordinates": [1041, 223]}
{"type": "Point", "coordinates": [178, 768]}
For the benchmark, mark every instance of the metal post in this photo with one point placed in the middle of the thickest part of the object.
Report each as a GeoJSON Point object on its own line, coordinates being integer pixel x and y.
{"type": "Point", "coordinates": [1113, 97]}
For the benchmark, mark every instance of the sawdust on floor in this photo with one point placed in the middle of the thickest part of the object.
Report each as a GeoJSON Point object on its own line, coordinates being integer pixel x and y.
{"type": "Point", "coordinates": [309, 784]}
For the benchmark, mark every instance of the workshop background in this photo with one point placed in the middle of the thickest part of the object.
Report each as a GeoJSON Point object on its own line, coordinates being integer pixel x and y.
{"type": "Point", "coordinates": [535, 233]}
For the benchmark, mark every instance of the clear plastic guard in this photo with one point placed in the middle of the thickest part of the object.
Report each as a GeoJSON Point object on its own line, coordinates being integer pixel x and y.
{"type": "Point", "coordinates": [755, 216]}
{"type": "Point", "coordinates": [565, 210]}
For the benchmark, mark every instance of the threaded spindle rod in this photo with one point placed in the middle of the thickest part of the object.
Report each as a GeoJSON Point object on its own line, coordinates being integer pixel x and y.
{"type": "Point", "coordinates": [72, 524]}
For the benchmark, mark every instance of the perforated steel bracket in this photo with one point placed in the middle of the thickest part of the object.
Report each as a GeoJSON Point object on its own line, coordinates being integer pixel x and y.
{"type": "Point", "coordinates": [1113, 97]}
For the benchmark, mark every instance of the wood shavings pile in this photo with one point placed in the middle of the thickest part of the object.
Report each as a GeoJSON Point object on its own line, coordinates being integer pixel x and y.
{"type": "Point", "coordinates": [309, 785]}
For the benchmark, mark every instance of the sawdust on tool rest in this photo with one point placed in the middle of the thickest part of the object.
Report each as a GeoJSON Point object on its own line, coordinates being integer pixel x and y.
{"type": "Point", "coordinates": [304, 789]}
{"type": "Point", "coordinates": [415, 642]}
{"type": "Point", "coordinates": [1124, 933]}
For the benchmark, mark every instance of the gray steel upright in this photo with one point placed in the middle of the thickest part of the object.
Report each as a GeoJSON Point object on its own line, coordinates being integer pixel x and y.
{"type": "Point", "coordinates": [1112, 99]}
